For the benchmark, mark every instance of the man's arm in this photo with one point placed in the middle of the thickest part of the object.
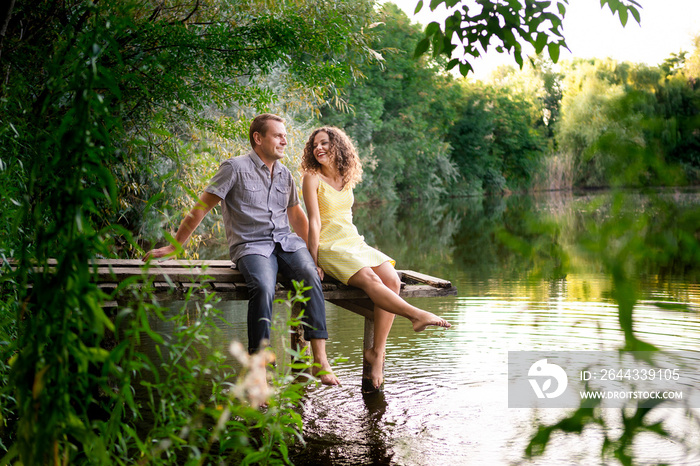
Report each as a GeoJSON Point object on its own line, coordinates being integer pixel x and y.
{"type": "Point", "coordinates": [206, 202]}
{"type": "Point", "coordinates": [298, 221]}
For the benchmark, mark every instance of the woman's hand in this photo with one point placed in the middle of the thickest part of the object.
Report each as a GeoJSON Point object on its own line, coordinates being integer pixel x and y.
{"type": "Point", "coordinates": [320, 272]}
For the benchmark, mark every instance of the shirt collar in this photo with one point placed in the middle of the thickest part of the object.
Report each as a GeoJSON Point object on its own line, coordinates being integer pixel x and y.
{"type": "Point", "coordinates": [276, 168]}
{"type": "Point", "coordinates": [256, 159]}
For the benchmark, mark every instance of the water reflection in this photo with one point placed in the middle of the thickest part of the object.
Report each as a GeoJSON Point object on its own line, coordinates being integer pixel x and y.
{"type": "Point", "coordinates": [445, 399]}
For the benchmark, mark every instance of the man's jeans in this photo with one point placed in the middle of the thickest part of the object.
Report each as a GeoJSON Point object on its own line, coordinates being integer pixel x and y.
{"type": "Point", "coordinates": [260, 274]}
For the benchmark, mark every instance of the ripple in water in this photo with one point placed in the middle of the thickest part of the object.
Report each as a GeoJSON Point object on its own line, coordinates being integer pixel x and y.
{"type": "Point", "coordinates": [446, 392]}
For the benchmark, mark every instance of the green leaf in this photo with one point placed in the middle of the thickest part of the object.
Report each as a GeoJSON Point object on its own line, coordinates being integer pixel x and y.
{"type": "Point", "coordinates": [636, 15]}
{"type": "Point", "coordinates": [438, 43]}
{"type": "Point", "coordinates": [153, 200]}
{"type": "Point", "coordinates": [419, 6]}
{"type": "Point", "coordinates": [541, 42]}
{"type": "Point", "coordinates": [422, 47]}
{"type": "Point", "coordinates": [146, 327]}
{"type": "Point", "coordinates": [553, 51]}
{"type": "Point", "coordinates": [518, 58]}
{"type": "Point", "coordinates": [435, 3]}
{"type": "Point", "coordinates": [562, 9]}
{"type": "Point", "coordinates": [432, 28]}
{"type": "Point", "coordinates": [465, 68]}
{"type": "Point", "coordinates": [508, 38]}
{"type": "Point", "coordinates": [623, 16]}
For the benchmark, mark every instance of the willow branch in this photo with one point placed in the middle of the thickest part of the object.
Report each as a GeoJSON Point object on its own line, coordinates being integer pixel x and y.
{"type": "Point", "coordinates": [5, 15]}
{"type": "Point", "coordinates": [196, 7]}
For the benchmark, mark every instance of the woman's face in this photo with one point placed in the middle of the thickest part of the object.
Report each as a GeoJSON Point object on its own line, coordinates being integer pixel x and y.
{"type": "Point", "coordinates": [321, 146]}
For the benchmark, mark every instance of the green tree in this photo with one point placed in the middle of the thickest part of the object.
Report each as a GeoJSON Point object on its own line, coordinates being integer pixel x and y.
{"type": "Point", "coordinates": [495, 141]}
{"type": "Point", "coordinates": [591, 89]}
{"type": "Point", "coordinates": [651, 111]}
{"type": "Point", "coordinates": [91, 96]}
{"type": "Point", "coordinates": [398, 116]}
{"type": "Point", "coordinates": [691, 65]}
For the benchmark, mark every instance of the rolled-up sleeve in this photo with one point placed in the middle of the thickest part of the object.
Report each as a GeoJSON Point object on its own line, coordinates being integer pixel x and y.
{"type": "Point", "coordinates": [222, 182]}
{"type": "Point", "coordinates": [294, 195]}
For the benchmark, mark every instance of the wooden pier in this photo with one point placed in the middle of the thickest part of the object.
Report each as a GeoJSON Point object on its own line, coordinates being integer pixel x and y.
{"type": "Point", "coordinates": [175, 277]}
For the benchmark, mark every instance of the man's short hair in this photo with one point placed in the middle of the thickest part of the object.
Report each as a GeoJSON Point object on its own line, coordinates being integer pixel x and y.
{"type": "Point", "coordinates": [259, 125]}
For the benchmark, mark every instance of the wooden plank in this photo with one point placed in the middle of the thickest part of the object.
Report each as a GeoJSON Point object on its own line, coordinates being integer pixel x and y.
{"type": "Point", "coordinates": [241, 290]}
{"type": "Point", "coordinates": [180, 274]}
{"type": "Point", "coordinates": [154, 262]}
{"type": "Point", "coordinates": [174, 273]}
{"type": "Point", "coordinates": [363, 306]}
{"type": "Point", "coordinates": [220, 286]}
{"type": "Point", "coordinates": [185, 263]}
{"type": "Point", "coordinates": [168, 263]}
{"type": "Point", "coordinates": [426, 291]}
{"type": "Point", "coordinates": [423, 278]}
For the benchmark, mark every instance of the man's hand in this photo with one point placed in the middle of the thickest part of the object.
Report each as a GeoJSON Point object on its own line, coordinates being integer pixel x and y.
{"type": "Point", "coordinates": [187, 226]}
{"type": "Point", "coordinates": [160, 252]}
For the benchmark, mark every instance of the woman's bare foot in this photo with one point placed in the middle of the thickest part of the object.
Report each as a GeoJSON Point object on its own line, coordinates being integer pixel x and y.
{"type": "Point", "coordinates": [327, 377]}
{"type": "Point", "coordinates": [428, 318]}
{"type": "Point", "coordinates": [376, 363]}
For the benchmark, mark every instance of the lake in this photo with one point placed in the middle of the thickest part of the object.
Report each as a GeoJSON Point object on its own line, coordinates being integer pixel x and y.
{"type": "Point", "coordinates": [528, 280]}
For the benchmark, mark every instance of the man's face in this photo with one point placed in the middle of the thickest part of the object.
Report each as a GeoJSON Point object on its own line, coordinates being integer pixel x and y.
{"type": "Point", "coordinates": [271, 145]}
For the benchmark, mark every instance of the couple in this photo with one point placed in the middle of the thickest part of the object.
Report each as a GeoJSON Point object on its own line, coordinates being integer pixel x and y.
{"type": "Point", "coordinates": [260, 204]}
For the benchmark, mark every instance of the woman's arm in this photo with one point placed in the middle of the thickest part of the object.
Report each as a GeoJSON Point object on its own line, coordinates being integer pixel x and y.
{"type": "Point", "coordinates": [298, 221]}
{"type": "Point", "coordinates": [309, 189]}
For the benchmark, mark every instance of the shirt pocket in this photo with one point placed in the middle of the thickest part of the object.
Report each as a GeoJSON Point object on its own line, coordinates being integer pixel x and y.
{"type": "Point", "coordinates": [253, 194]}
{"type": "Point", "coordinates": [282, 195]}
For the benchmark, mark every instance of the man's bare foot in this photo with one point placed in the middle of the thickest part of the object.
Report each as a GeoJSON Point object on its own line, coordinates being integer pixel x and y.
{"type": "Point", "coordinates": [376, 363]}
{"type": "Point", "coordinates": [325, 374]}
{"type": "Point", "coordinates": [428, 318]}
{"type": "Point", "coordinates": [322, 368]}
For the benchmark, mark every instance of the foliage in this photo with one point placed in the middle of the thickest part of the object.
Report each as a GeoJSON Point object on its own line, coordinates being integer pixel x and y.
{"type": "Point", "coordinates": [197, 406]}
{"type": "Point", "coordinates": [180, 78]}
{"type": "Point", "coordinates": [511, 23]}
{"type": "Point", "coordinates": [495, 141]}
{"type": "Point", "coordinates": [398, 117]}
{"type": "Point", "coordinates": [173, 398]}
{"type": "Point", "coordinates": [591, 90]}
{"type": "Point", "coordinates": [652, 115]}
{"type": "Point", "coordinates": [632, 239]}
{"type": "Point", "coordinates": [94, 94]}
{"type": "Point", "coordinates": [691, 65]}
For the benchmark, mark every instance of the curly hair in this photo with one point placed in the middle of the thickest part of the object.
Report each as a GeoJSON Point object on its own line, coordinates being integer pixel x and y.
{"type": "Point", "coordinates": [342, 152]}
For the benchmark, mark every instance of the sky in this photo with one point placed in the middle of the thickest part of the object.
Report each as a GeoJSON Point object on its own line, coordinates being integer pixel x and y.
{"type": "Point", "coordinates": [667, 26]}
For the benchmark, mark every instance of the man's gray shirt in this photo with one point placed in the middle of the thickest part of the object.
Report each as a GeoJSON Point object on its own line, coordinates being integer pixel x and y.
{"type": "Point", "coordinates": [254, 206]}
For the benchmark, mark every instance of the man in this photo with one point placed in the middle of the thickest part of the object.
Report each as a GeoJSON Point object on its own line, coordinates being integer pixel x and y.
{"type": "Point", "coordinates": [260, 203]}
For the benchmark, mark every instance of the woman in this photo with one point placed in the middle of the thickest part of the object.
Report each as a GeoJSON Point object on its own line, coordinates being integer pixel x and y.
{"type": "Point", "coordinates": [331, 170]}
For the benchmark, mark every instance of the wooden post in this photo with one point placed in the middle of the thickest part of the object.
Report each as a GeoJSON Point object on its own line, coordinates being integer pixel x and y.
{"type": "Point", "coordinates": [297, 333]}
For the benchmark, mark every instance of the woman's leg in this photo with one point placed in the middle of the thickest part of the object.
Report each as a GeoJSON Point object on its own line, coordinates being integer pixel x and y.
{"type": "Point", "coordinates": [382, 296]}
{"type": "Point", "coordinates": [382, 324]}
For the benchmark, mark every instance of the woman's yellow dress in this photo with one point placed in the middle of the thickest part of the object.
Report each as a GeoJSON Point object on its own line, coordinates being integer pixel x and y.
{"type": "Point", "coordinates": [342, 251]}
